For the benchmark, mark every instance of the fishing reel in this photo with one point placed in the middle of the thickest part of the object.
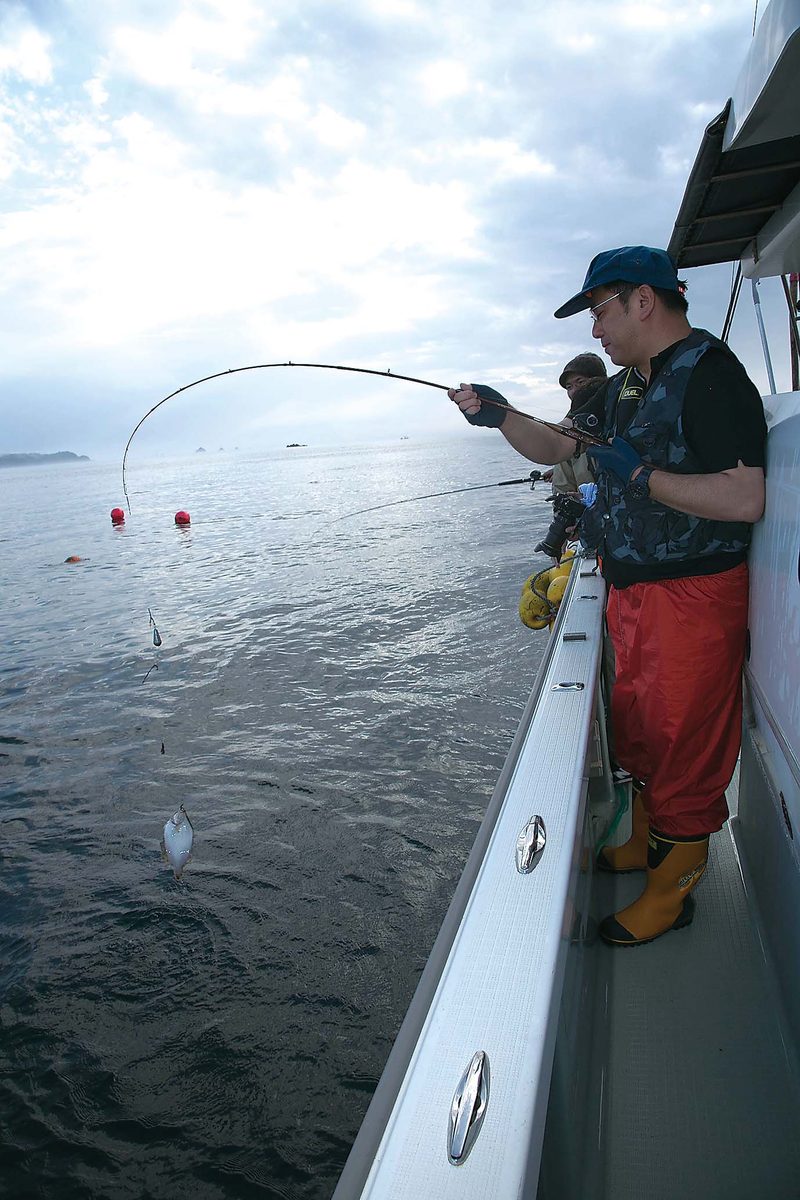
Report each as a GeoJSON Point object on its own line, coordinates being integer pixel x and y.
{"type": "Point", "coordinates": [534, 477]}
{"type": "Point", "coordinates": [567, 512]}
{"type": "Point", "coordinates": [586, 422]}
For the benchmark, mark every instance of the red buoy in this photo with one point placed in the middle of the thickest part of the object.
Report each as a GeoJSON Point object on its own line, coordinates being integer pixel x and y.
{"type": "Point", "coordinates": [118, 516]}
{"type": "Point", "coordinates": [182, 518]}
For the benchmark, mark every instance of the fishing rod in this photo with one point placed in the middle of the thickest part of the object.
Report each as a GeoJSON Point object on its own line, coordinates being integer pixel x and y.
{"type": "Point", "coordinates": [576, 435]}
{"type": "Point", "coordinates": [533, 478]}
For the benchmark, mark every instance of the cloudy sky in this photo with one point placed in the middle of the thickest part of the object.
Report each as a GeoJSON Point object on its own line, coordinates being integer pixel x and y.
{"type": "Point", "coordinates": [195, 185]}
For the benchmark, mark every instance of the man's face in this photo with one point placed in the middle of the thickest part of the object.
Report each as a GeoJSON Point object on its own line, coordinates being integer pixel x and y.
{"type": "Point", "coordinates": [614, 326]}
{"type": "Point", "coordinates": [574, 383]}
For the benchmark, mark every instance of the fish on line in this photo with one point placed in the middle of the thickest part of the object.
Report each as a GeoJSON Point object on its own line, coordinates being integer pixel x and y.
{"type": "Point", "coordinates": [176, 844]}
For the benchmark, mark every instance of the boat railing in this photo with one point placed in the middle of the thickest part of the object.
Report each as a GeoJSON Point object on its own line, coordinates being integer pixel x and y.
{"type": "Point", "coordinates": [461, 1107]}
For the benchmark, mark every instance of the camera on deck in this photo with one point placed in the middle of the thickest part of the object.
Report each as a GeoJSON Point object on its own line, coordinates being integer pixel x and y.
{"type": "Point", "coordinates": [567, 512]}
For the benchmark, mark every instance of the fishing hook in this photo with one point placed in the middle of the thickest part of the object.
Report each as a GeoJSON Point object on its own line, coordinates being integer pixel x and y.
{"type": "Point", "coordinates": [575, 434]}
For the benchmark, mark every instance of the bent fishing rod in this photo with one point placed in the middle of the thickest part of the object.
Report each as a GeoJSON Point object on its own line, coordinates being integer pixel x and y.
{"type": "Point", "coordinates": [576, 435]}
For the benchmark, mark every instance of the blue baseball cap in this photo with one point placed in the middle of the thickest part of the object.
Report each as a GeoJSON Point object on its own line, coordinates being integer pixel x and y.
{"type": "Point", "coordinates": [628, 264]}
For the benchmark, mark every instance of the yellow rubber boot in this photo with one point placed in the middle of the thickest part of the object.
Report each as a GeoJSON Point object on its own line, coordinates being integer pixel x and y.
{"type": "Point", "coordinates": [631, 855]}
{"type": "Point", "coordinates": [673, 869]}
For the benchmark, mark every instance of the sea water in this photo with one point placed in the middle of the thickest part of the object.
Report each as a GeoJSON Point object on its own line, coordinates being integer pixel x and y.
{"type": "Point", "coordinates": [332, 702]}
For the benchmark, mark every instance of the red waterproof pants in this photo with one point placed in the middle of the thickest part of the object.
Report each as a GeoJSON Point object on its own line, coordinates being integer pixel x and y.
{"type": "Point", "coordinates": [676, 706]}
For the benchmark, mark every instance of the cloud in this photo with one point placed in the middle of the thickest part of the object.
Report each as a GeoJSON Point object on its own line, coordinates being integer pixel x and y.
{"type": "Point", "coordinates": [145, 243]}
{"type": "Point", "coordinates": [443, 79]}
{"type": "Point", "coordinates": [24, 49]}
{"type": "Point", "coordinates": [190, 185]}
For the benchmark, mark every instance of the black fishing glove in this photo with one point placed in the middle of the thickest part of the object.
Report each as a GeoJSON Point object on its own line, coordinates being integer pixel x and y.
{"type": "Point", "coordinates": [488, 415]}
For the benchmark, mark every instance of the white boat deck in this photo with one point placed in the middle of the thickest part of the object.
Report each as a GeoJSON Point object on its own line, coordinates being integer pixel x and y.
{"type": "Point", "coordinates": [701, 1089]}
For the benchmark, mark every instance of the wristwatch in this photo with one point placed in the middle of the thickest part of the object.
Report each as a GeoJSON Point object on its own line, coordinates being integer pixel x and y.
{"type": "Point", "coordinates": [639, 488]}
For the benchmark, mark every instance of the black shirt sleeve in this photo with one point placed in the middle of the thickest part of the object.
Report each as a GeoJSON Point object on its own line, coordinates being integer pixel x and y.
{"type": "Point", "coordinates": [723, 417]}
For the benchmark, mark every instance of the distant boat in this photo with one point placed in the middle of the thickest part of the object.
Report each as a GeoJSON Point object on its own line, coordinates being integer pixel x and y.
{"type": "Point", "coordinates": [294, 445]}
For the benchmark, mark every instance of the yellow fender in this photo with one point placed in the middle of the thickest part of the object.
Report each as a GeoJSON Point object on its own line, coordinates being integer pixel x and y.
{"type": "Point", "coordinates": [543, 592]}
{"type": "Point", "coordinates": [534, 611]}
{"type": "Point", "coordinates": [562, 570]}
{"type": "Point", "coordinates": [556, 589]}
{"type": "Point", "coordinates": [540, 582]}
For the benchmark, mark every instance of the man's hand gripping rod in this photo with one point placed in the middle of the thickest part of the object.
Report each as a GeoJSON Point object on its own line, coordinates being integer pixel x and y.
{"type": "Point", "coordinates": [577, 435]}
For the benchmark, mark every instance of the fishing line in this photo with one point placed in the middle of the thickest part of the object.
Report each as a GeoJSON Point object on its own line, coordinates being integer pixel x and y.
{"type": "Point", "coordinates": [575, 434]}
{"type": "Point", "coordinates": [736, 287]}
{"type": "Point", "coordinates": [793, 314]}
{"type": "Point", "coordinates": [157, 641]}
{"type": "Point", "coordinates": [154, 627]}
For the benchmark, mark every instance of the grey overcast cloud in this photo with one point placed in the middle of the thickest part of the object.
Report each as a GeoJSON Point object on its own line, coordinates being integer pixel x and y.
{"type": "Point", "coordinates": [202, 185]}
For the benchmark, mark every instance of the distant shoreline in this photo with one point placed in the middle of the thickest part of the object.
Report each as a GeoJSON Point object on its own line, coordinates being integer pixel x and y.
{"type": "Point", "coordinates": [30, 460]}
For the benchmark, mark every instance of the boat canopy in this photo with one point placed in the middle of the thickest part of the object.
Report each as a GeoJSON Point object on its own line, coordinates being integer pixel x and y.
{"type": "Point", "coordinates": [742, 200]}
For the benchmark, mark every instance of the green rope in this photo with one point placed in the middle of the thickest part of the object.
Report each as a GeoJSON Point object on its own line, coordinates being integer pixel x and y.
{"type": "Point", "coordinates": [621, 790]}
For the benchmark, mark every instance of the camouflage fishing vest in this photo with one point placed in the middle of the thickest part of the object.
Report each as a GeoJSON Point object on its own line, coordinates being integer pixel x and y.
{"type": "Point", "coordinates": [642, 532]}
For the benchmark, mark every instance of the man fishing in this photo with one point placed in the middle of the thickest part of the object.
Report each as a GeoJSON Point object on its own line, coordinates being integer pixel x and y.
{"type": "Point", "coordinates": [680, 484]}
{"type": "Point", "coordinates": [581, 379]}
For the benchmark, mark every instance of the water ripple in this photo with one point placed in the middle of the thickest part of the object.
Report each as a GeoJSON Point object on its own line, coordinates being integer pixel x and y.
{"type": "Point", "coordinates": [332, 701]}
